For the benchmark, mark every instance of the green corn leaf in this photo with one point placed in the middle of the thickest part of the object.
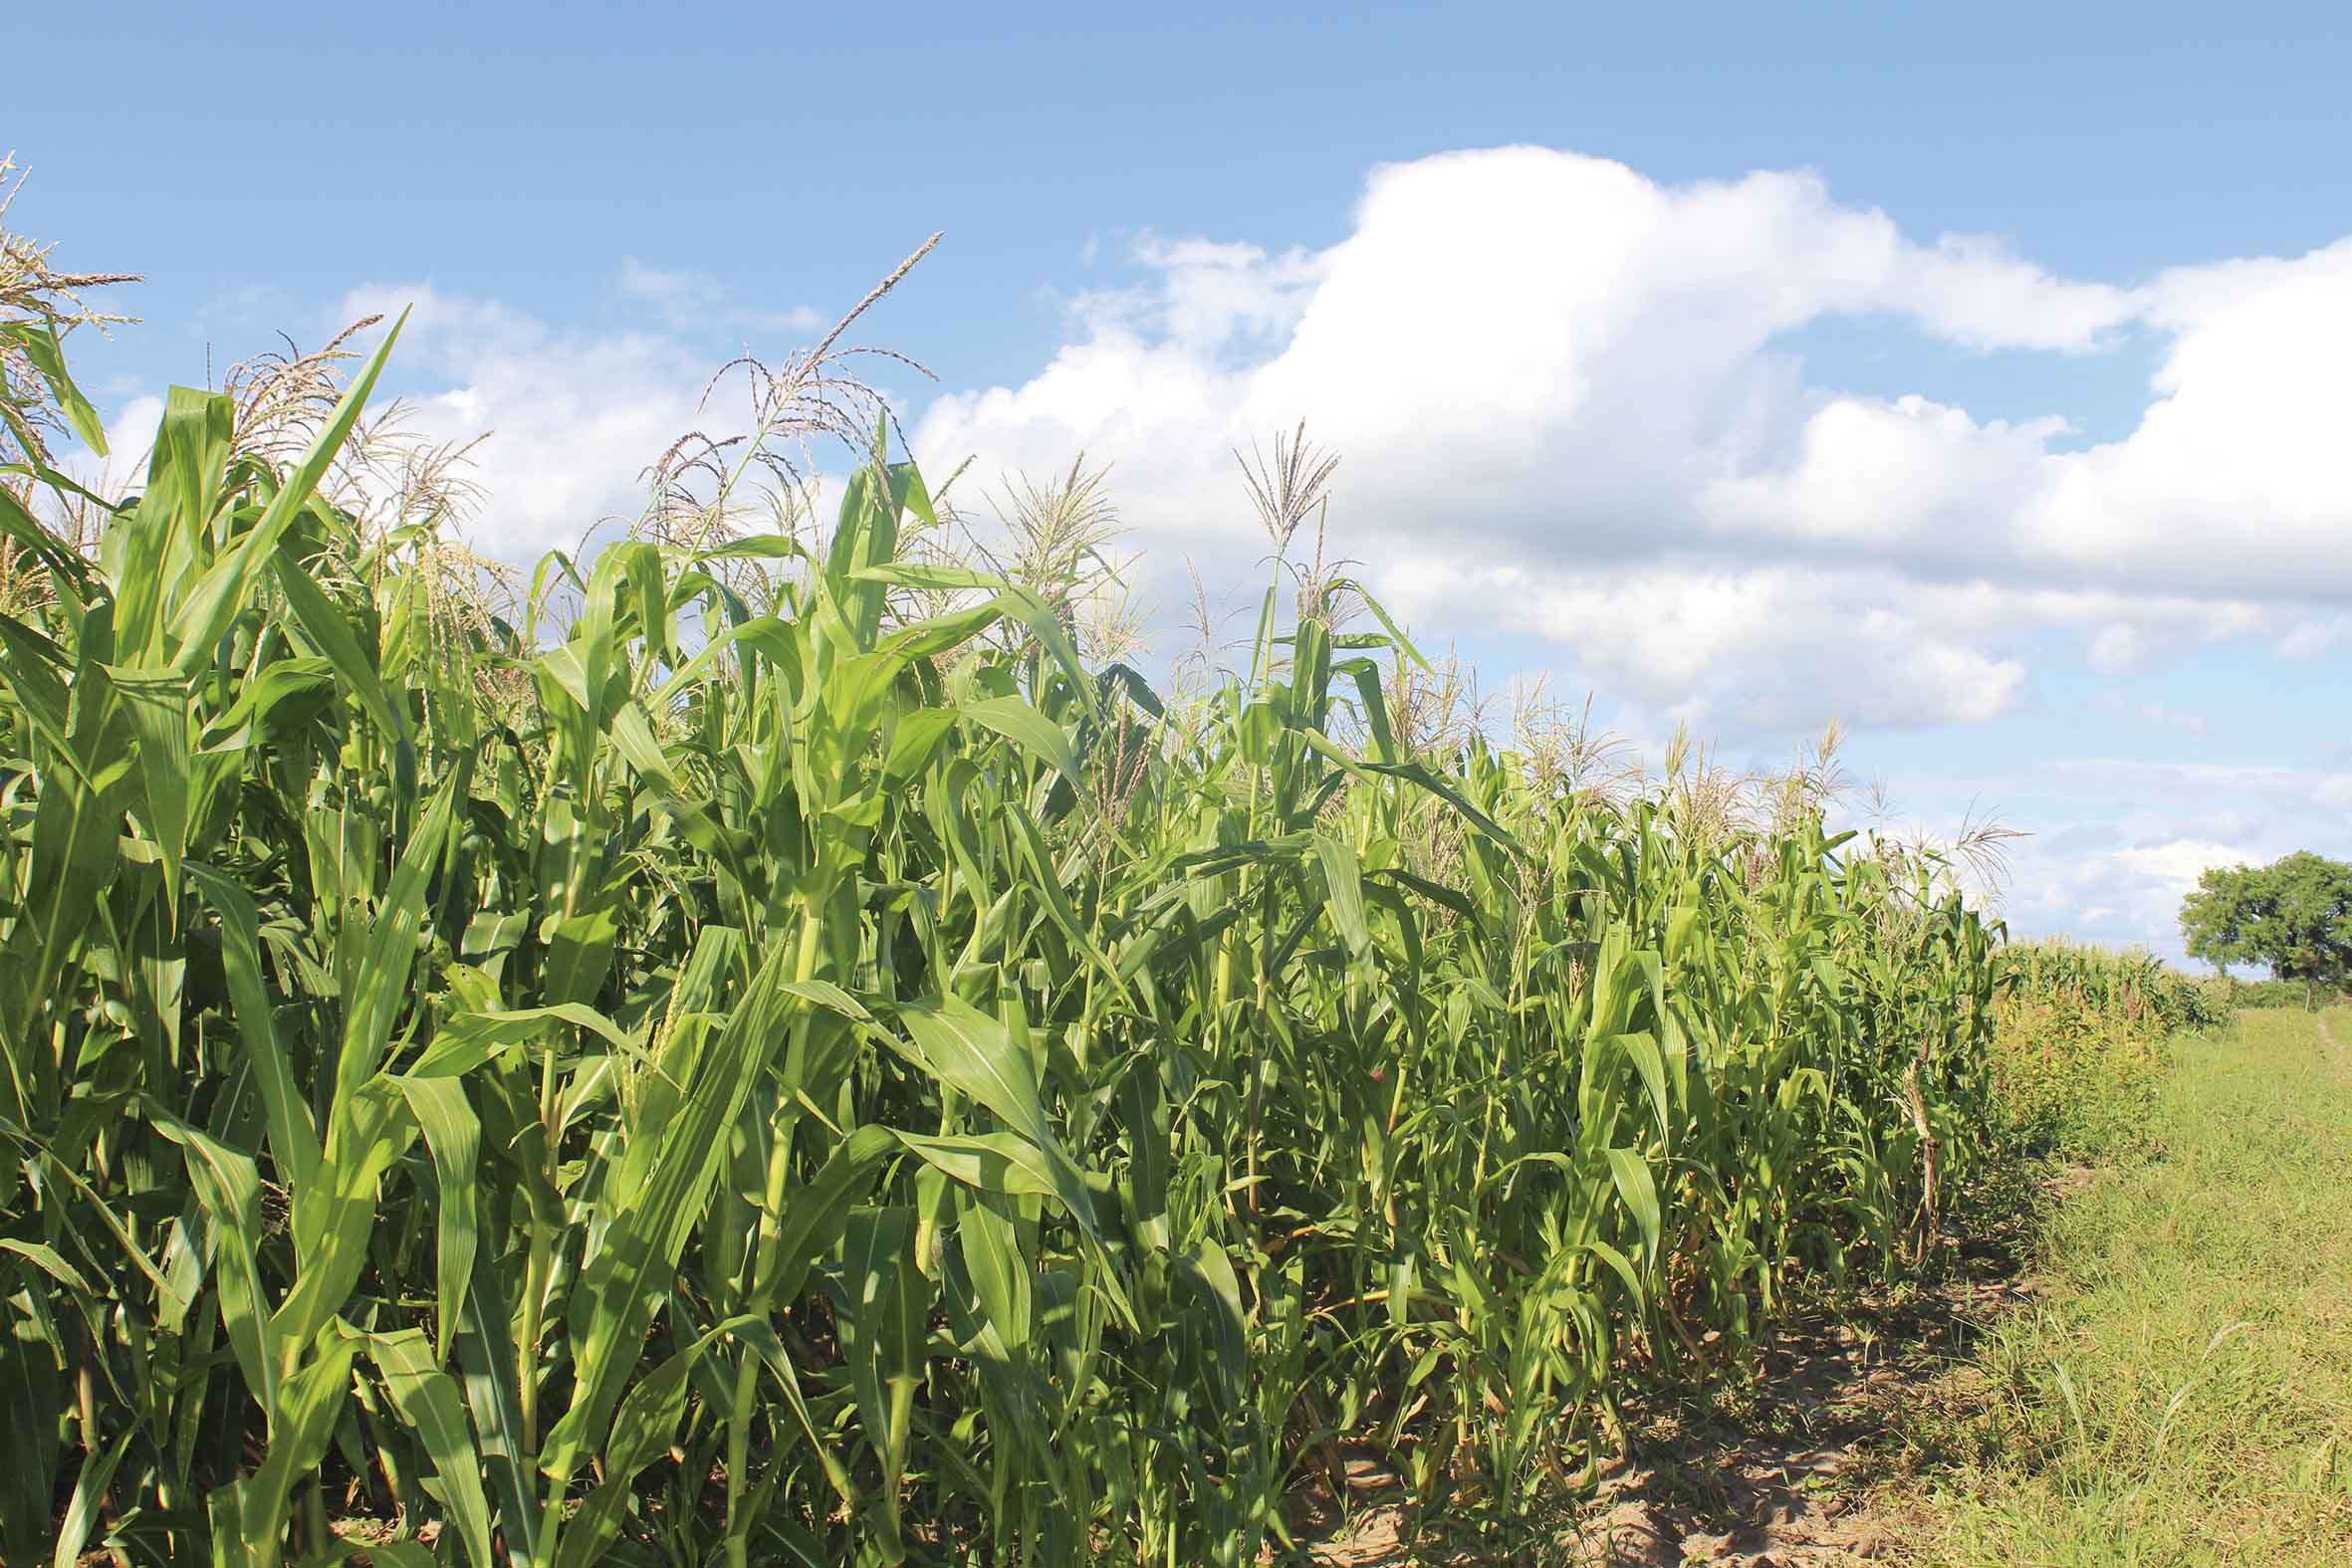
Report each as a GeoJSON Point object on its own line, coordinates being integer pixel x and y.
{"type": "Point", "coordinates": [326, 626]}
{"type": "Point", "coordinates": [881, 1303]}
{"type": "Point", "coordinates": [229, 1188]}
{"type": "Point", "coordinates": [658, 1199]}
{"type": "Point", "coordinates": [493, 1396]}
{"type": "Point", "coordinates": [1028, 728]}
{"type": "Point", "coordinates": [294, 1139]}
{"type": "Point", "coordinates": [70, 571]}
{"type": "Point", "coordinates": [971, 1052]}
{"type": "Point", "coordinates": [1650, 1062]}
{"type": "Point", "coordinates": [1631, 1173]}
{"type": "Point", "coordinates": [986, 1161]}
{"type": "Point", "coordinates": [427, 1400]}
{"type": "Point", "coordinates": [382, 986]}
{"type": "Point", "coordinates": [1001, 1276]}
{"type": "Point", "coordinates": [81, 1509]}
{"type": "Point", "coordinates": [32, 1397]}
{"type": "Point", "coordinates": [38, 342]}
{"type": "Point", "coordinates": [452, 1135]}
{"type": "Point", "coordinates": [468, 1040]}
{"type": "Point", "coordinates": [1345, 887]}
{"type": "Point", "coordinates": [302, 1421]}
{"type": "Point", "coordinates": [818, 1211]}
{"type": "Point", "coordinates": [203, 616]}
{"type": "Point", "coordinates": [46, 1258]}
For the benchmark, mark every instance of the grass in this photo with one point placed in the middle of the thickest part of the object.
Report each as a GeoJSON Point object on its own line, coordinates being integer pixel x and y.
{"type": "Point", "coordinates": [2180, 1392]}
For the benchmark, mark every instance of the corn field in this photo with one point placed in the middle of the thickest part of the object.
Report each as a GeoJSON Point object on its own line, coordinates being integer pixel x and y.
{"type": "Point", "coordinates": [2083, 1039]}
{"type": "Point", "coordinates": [2133, 986]}
{"type": "Point", "coordinates": [788, 1062]}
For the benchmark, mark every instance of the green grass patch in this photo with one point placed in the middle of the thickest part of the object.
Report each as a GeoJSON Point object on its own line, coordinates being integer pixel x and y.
{"type": "Point", "coordinates": [2181, 1393]}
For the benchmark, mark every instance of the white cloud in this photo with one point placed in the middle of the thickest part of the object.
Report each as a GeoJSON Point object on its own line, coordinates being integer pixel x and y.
{"type": "Point", "coordinates": [2080, 881]}
{"type": "Point", "coordinates": [2116, 648]}
{"type": "Point", "coordinates": [2238, 478]}
{"type": "Point", "coordinates": [1730, 646]}
{"type": "Point", "coordinates": [2149, 713]}
{"type": "Point", "coordinates": [2310, 638]}
{"type": "Point", "coordinates": [1571, 408]}
{"type": "Point", "coordinates": [2114, 844]}
{"type": "Point", "coordinates": [574, 420]}
{"type": "Point", "coordinates": [2142, 886]}
{"type": "Point", "coordinates": [130, 438]}
{"type": "Point", "coordinates": [2116, 775]}
{"type": "Point", "coordinates": [1207, 295]}
{"type": "Point", "coordinates": [2178, 864]}
{"type": "Point", "coordinates": [690, 300]}
{"type": "Point", "coordinates": [1566, 394]}
{"type": "Point", "coordinates": [683, 290]}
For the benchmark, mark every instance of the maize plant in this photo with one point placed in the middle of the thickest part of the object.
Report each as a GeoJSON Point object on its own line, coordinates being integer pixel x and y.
{"type": "Point", "coordinates": [2085, 1038]}
{"type": "Point", "coordinates": [823, 1074]}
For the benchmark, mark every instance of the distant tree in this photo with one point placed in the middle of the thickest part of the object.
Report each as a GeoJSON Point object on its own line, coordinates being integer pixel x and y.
{"type": "Point", "coordinates": [2293, 915]}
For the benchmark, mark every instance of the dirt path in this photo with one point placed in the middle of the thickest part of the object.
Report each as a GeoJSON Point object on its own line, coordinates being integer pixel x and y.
{"type": "Point", "coordinates": [1771, 1474]}
{"type": "Point", "coordinates": [1777, 1477]}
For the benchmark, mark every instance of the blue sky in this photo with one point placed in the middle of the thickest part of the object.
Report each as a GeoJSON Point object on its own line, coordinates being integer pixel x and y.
{"type": "Point", "coordinates": [1693, 400]}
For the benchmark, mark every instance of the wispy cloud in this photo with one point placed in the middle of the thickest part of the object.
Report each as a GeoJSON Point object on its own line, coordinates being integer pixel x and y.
{"type": "Point", "coordinates": [2308, 640]}
{"type": "Point", "coordinates": [691, 300]}
{"type": "Point", "coordinates": [2149, 713]}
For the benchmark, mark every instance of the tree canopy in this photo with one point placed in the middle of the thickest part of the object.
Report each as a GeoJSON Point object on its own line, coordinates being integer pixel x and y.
{"type": "Point", "coordinates": [2293, 915]}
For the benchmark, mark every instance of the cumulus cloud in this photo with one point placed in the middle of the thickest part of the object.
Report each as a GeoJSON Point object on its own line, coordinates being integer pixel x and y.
{"type": "Point", "coordinates": [1574, 406]}
{"type": "Point", "coordinates": [2113, 883]}
{"type": "Point", "coordinates": [2114, 844]}
{"type": "Point", "coordinates": [572, 420]}
{"type": "Point", "coordinates": [2147, 882]}
{"type": "Point", "coordinates": [1726, 646]}
{"type": "Point", "coordinates": [2238, 478]}
{"type": "Point", "coordinates": [1570, 396]}
{"type": "Point", "coordinates": [130, 438]}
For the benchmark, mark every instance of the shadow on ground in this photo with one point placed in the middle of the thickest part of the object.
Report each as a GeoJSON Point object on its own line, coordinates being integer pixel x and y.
{"type": "Point", "coordinates": [1774, 1469]}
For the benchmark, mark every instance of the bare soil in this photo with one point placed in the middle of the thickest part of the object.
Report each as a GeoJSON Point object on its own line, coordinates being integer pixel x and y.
{"type": "Point", "coordinates": [1777, 1469]}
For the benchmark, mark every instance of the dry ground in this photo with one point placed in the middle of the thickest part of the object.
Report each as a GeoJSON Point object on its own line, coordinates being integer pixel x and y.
{"type": "Point", "coordinates": [1777, 1472]}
